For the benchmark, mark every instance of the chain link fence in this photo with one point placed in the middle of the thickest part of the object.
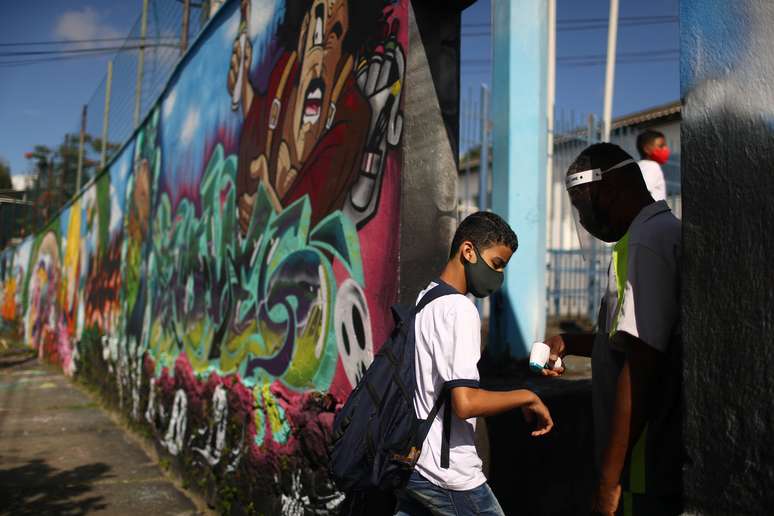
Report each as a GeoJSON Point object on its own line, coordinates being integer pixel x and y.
{"type": "Point", "coordinates": [134, 79]}
{"type": "Point", "coordinates": [576, 283]}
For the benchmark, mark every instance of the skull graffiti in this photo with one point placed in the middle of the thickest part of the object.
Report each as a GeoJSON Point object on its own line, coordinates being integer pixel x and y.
{"type": "Point", "coordinates": [353, 330]}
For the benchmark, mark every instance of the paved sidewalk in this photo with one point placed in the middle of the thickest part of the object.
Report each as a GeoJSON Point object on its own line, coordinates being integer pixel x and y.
{"type": "Point", "coordinates": [61, 454]}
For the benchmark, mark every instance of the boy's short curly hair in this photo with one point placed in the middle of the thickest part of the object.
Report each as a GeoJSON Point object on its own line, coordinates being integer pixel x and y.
{"type": "Point", "coordinates": [484, 229]}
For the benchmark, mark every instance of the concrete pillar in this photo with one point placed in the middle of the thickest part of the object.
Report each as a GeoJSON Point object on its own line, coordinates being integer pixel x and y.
{"type": "Point", "coordinates": [727, 69]}
{"type": "Point", "coordinates": [519, 167]}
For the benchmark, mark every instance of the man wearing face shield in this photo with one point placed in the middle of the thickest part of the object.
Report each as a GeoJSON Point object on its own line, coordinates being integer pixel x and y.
{"type": "Point", "coordinates": [636, 349]}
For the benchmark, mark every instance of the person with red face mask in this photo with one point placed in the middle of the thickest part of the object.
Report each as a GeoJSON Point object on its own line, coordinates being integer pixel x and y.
{"type": "Point", "coordinates": [653, 153]}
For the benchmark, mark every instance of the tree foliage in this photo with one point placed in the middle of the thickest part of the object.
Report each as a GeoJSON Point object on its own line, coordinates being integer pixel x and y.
{"type": "Point", "coordinates": [5, 175]}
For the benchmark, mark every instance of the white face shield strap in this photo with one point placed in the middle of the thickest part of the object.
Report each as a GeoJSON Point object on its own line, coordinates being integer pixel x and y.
{"type": "Point", "coordinates": [587, 242]}
{"type": "Point", "coordinates": [590, 176]}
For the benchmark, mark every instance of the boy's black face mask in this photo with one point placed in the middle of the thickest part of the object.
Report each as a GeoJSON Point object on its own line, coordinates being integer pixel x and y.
{"type": "Point", "coordinates": [482, 280]}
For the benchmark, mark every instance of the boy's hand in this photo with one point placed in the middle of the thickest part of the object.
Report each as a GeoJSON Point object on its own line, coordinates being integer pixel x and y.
{"type": "Point", "coordinates": [558, 350]}
{"type": "Point", "coordinates": [537, 413]}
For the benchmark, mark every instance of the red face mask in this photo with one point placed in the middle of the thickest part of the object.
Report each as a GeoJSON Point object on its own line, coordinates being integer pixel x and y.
{"type": "Point", "coordinates": [660, 155]}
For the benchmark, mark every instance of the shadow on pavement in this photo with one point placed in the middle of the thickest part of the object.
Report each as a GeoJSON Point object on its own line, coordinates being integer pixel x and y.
{"type": "Point", "coordinates": [16, 357]}
{"type": "Point", "coordinates": [38, 488]}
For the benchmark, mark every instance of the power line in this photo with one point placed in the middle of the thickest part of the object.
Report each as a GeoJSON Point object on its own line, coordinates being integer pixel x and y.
{"type": "Point", "coordinates": [644, 53]}
{"type": "Point", "coordinates": [569, 21]}
{"type": "Point", "coordinates": [598, 26]}
{"type": "Point", "coordinates": [82, 50]}
{"type": "Point", "coordinates": [24, 62]}
{"type": "Point", "coordinates": [622, 55]}
{"type": "Point", "coordinates": [67, 41]}
{"type": "Point", "coordinates": [484, 68]}
{"type": "Point", "coordinates": [580, 64]}
{"type": "Point", "coordinates": [588, 24]}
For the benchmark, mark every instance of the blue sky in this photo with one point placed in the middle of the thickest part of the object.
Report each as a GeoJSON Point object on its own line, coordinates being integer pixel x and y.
{"type": "Point", "coordinates": [39, 103]}
{"type": "Point", "coordinates": [580, 88]}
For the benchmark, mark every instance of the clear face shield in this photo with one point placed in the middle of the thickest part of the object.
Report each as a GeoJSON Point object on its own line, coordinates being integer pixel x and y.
{"type": "Point", "coordinates": [591, 224]}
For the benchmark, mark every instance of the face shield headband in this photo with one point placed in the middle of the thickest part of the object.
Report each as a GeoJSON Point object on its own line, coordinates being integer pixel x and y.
{"type": "Point", "coordinates": [584, 207]}
{"type": "Point", "coordinates": [595, 174]}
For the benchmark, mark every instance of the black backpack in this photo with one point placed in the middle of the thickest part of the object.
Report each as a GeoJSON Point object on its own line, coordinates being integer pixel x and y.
{"type": "Point", "coordinates": [377, 436]}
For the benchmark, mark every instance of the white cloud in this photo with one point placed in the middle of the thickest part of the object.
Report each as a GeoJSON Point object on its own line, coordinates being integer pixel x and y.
{"type": "Point", "coordinates": [232, 29]}
{"type": "Point", "coordinates": [86, 23]}
{"type": "Point", "coordinates": [169, 103]}
{"type": "Point", "coordinates": [123, 167]}
{"type": "Point", "coordinates": [190, 126]}
{"type": "Point", "coordinates": [116, 214]}
{"type": "Point", "coordinates": [261, 13]}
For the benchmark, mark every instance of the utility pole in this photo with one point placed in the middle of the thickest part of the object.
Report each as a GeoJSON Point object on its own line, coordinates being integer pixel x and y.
{"type": "Point", "coordinates": [81, 145]}
{"type": "Point", "coordinates": [591, 278]}
{"type": "Point", "coordinates": [483, 167]}
{"type": "Point", "coordinates": [49, 160]}
{"type": "Point", "coordinates": [612, 35]}
{"type": "Point", "coordinates": [65, 167]}
{"type": "Point", "coordinates": [106, 116]}
{"type": "Point", "coordinates": [186, 21]}
{"type": "Point", "coordinates": [550, 101]}
{"type": "Point", "coordinates": [140, 64]}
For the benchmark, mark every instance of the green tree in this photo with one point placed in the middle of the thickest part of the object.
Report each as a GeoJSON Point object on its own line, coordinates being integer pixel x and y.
{"type": "Point", "coordinates": [5, 176]}
{"type": "Point", "coordinates": [56, 174]}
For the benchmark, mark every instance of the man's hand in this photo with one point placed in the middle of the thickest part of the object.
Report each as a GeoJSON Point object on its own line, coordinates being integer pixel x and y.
{"type": "Point", "coordinates": [537, 414]}
{"type": "Point", "coordinates": [606, 499]}
{"type": "Point", "coordinates": [558, 350]}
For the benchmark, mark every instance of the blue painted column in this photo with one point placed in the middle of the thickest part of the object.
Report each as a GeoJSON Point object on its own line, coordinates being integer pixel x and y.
{"type": "Point", "coordinates": [519, 165]}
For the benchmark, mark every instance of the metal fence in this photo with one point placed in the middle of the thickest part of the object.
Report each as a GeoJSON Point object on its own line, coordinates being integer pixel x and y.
{"type": "Point", "coordinates": [134, 78]}
{"type": "Point", "coordinates": [574, 282]}
{"type": "Point", "coordinates": [473, 120]}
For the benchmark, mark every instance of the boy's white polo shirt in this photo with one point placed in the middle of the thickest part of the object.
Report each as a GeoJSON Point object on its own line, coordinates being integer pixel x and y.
{"type": "Point", "coordinates": [448, 347]}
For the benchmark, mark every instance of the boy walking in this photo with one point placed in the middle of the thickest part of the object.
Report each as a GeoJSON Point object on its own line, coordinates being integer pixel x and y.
{"type": "Point", "coordinates": [448, 346]}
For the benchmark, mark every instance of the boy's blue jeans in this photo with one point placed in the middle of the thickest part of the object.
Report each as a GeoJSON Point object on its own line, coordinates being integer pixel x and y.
{"type": "Point", "coordinates": [423, 498]}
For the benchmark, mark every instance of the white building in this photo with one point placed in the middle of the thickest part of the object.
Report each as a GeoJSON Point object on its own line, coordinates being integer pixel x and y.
{"type": "Point", "coordinates": [571, 137]}
{"type": "Point", "coordinates": [22, 182]}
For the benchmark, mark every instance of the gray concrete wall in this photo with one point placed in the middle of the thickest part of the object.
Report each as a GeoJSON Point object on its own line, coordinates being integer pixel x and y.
{"type": "Point", "coordinates": [429, 180]}
{"type": "Point", "coordinates": [727, 65]}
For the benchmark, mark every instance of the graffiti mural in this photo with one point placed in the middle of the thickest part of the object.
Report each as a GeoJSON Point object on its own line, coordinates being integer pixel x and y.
{"type": "Point", "coordinates": [227, 279]}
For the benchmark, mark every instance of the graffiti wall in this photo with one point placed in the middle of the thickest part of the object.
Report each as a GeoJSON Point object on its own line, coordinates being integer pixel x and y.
{"type": "Point", "coordinates": [227, 279]}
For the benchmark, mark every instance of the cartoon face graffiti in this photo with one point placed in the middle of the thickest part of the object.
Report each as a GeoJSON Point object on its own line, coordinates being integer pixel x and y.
{"type": "Point", "coordinates": [45, 276]}
{"type": "Point", "coordinates": [306, 133]}
{"type": "Point", "coordinates": [320, 52]}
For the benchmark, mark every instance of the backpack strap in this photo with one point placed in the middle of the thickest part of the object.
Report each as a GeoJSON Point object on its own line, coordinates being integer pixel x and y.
{"type": "Point", "coordinates": [443, 399]}
{"type": "Point", "coordinates": [446, 435]}
{"type": "Point", "coordinates": [441, 289]}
